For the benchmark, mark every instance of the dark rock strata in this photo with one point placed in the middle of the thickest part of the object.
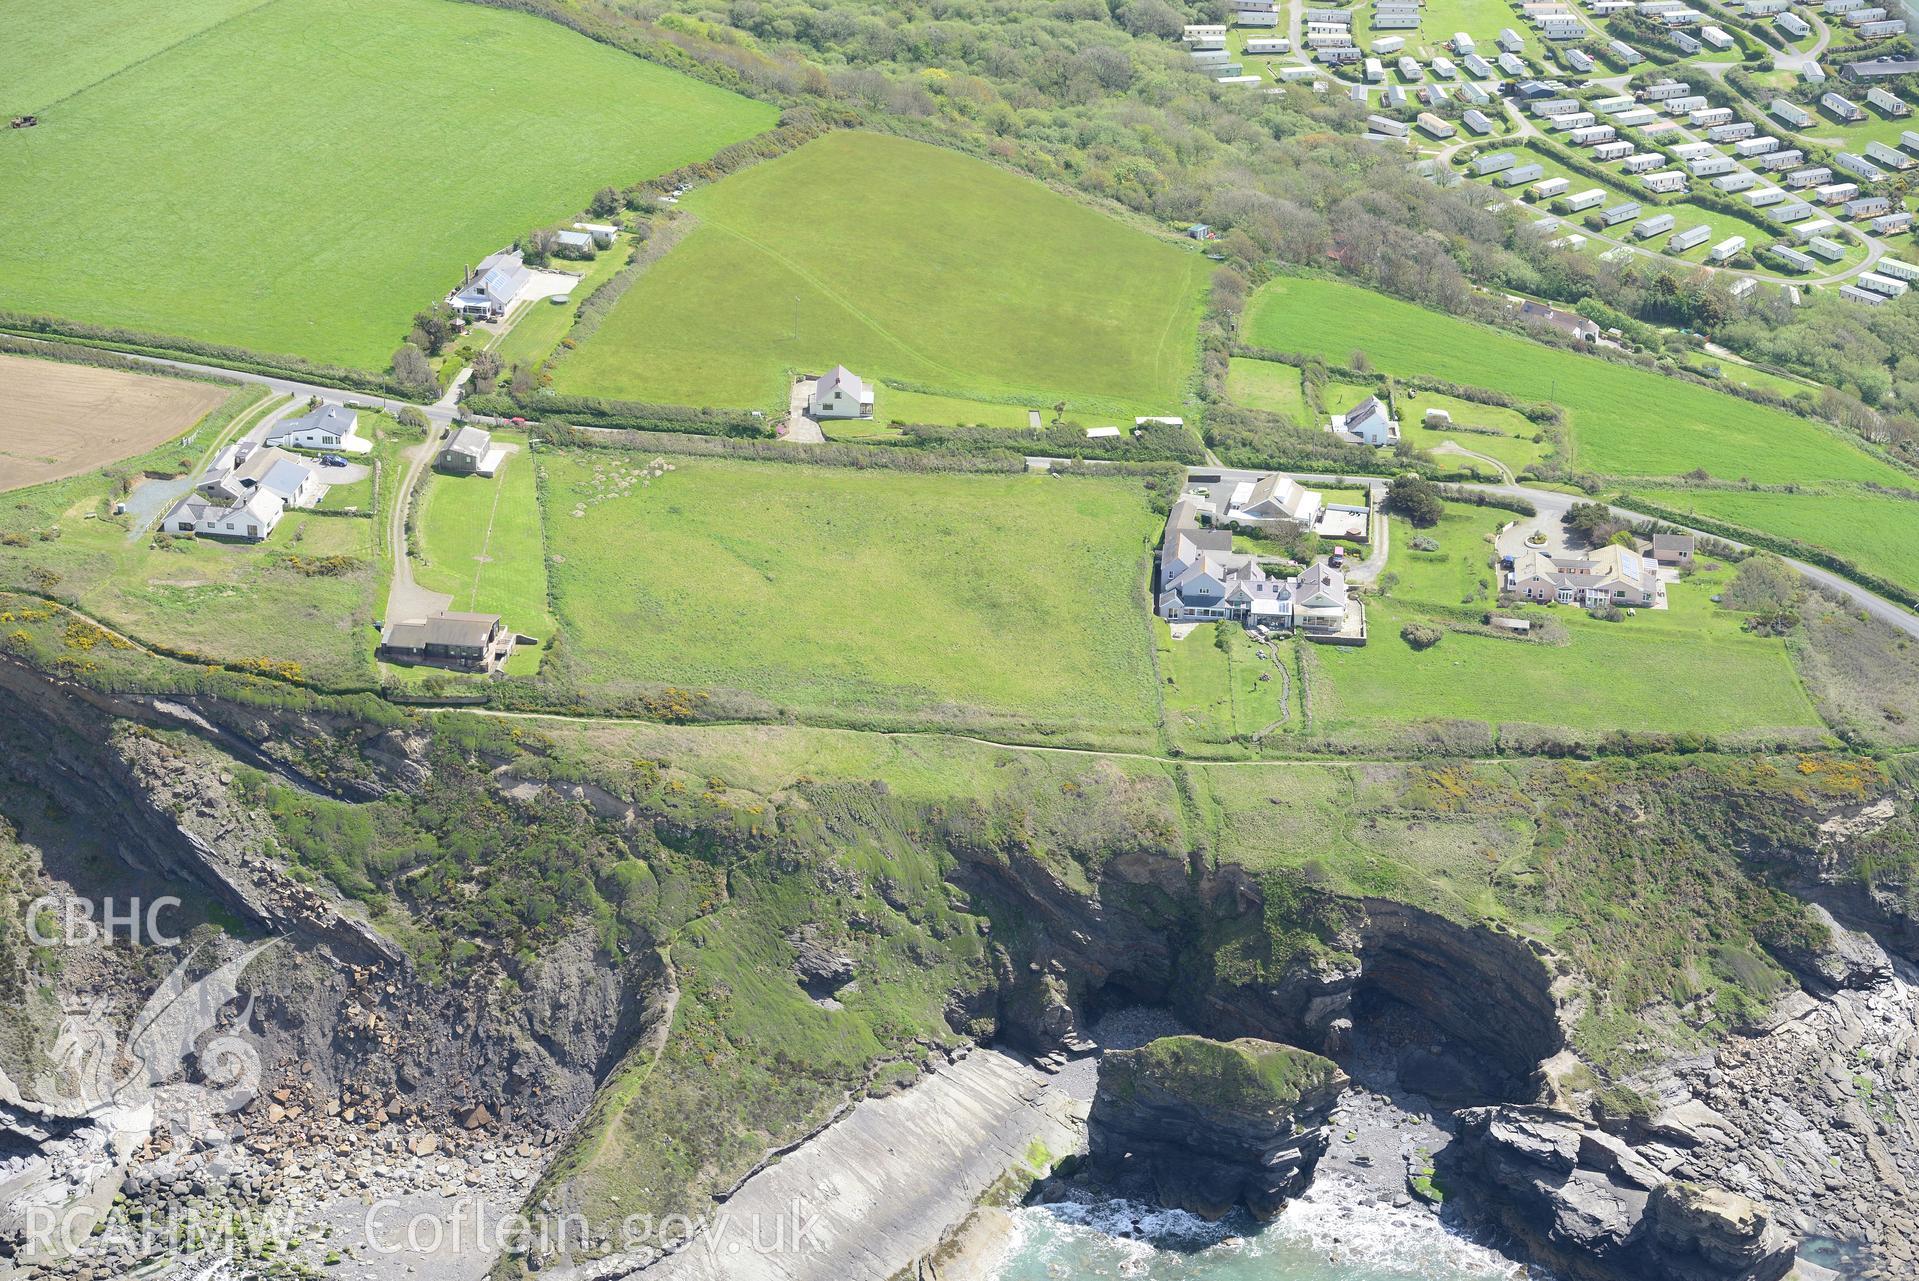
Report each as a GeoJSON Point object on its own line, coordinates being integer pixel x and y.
{"type": "Point", "coordinates": [1589, 1206]}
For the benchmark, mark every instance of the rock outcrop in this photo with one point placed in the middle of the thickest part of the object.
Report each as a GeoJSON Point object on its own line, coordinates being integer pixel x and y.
{"type": "Point", "coordinates": [1589, 1206]}
{"type": "Point", "coordinates": [1208, 1126]}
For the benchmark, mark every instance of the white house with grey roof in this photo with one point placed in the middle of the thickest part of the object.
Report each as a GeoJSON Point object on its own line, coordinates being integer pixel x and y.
{"type": "Point", "coordinates": [330, 427]}
{"type": "Point", "coordinates": [840, 394]}
{"type": "Point", "coordinates": [1367, 423]}
{"type": "Point", "coordinates": [492, 288]}
{"type": "Point", "coordinates": [1202, 579]}
{"type": "Point", "coordinates": [244, 494]}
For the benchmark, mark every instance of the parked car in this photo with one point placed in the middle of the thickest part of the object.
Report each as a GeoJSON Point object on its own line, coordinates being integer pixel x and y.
{"type": "Point", "coordinates": [332, 460]}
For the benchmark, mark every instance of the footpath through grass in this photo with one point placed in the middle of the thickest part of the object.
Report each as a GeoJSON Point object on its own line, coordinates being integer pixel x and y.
{"type": "Point", "coordinates": [906, 262]}
{"type": "Point", "coordinates": [1005, 604]}
{"type": "Point", "coordinates": [301, 177]}
{"type": "Point", "coordinates": [1623, 421]}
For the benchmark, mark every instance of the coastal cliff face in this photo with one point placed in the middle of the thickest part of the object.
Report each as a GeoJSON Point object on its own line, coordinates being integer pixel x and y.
{"type": "Point", "coordinates": [737, 917]}
{"type": "Point", "coordinates": [1208, 1126]}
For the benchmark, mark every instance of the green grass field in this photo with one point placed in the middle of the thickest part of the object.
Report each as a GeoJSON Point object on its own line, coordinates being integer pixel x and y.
{"type": "Point", "coordinates": [905, 262]}
{"type": "Point", "coordinates": [302, 177]}
{"type": "Point", "coordinates": [1267, 385]}
{"type": "Point", "coordinates": [892, 405]}
{"type": "Point", "coordinates": [1623, 421]}
{"type": "Point", "coordinates": [1688, 668]}
{"type": "Point", "coordinates": [1877, 532]}
{"type": "Point", "coordinates": [481, 542]}
{"type": "Point", "coordinates": [1010, 604]}
{"type": "Point", "coordinates": [1214, 695]}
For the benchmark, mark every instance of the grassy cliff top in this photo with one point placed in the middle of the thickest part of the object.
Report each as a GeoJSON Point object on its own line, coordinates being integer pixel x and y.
{"type": "Point", "coordinates": [1247, 1075]}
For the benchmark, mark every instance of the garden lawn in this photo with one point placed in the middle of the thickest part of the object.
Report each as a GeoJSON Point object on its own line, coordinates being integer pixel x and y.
{"type": "Point", "coordinates": [302, 176]}
{"type": "Point", "coordinates": [543, 325]}
{"type": "Point", "coordinates": [1515, 448]}
{"type": "Point", "coordinates": [1877, 532]}
{"type": "Point", "coordinates": [1008, 604]}
{"type": "Point", "coordinates": [894, 406]}
{"type": "Point", "coordinates": [1214, 695]}
{"type": "Point", "coordinates": [1623, 421]}
{"type": "Point", "coordinates": [1688, 668]}
{"type": "Point", "coordinates": [1267, 385]}
{"type": "Point", "coordinates": [481, 541]}
{"type": "Point", "coordinates": [907, 263]}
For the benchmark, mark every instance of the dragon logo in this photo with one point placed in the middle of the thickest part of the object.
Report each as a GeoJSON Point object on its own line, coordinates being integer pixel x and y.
{"type": "Point", "coordinates": [180, 1027]}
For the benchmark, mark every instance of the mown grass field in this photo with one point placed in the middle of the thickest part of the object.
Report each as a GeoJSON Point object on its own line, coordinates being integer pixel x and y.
{"type": "Point", "coordinates": [284, 602]}
{"type": "Point", "coordinates": [1268, 385]}
{"type": "Point", "coordinates": [1623, 421]}
{"type": "Point", "coordinates": [1877, 532]}
{"type": "Point", "coordinates": [301, 177]}
{"type": "Point", "coordinates": [1688, 668]}
{"type": "Point", "coordinates": [1009, 604]}
{"type": "Point", "coordinates": [907, 262]}
{"type": "Point", "coordinates": [481, 544]}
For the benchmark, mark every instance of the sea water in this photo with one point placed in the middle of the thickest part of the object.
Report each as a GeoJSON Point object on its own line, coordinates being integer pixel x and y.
{"type": "Point", "coordinates": [1336, 1232]}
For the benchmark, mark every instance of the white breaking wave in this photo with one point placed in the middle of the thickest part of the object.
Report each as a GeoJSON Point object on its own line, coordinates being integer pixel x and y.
{"type": "Point", "coordinates": [1329, 1234]}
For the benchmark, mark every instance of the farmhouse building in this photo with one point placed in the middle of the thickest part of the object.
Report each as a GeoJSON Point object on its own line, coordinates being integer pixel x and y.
{"type": "Point", "coordinates": [1568, 322]}
{"type": "Point", "coordinates": [328, 427]}
{"type": "Point", "coordinates": [491, 289]}
{"type": "Point", "coordinates": [1367, 423]}
{"type": "Point", "coordinates": [469, 452]}
{"type": "Point", "coordinates": [840, 394]}
{"type": "Point", "coordinates": [250, 521]}
{"type": "Point", "coordinates": [240, 471]}
{"type": "Point", "coordinates": [467, 642]}
{"type": "Point", "coordinates": [1606, 576]}
{"type": "Point", "coordinates": [1202, 579]}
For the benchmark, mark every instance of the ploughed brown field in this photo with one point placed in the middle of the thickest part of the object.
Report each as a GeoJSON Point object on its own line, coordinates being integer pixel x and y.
{"type": "Point", "coordinates": [59, 420]}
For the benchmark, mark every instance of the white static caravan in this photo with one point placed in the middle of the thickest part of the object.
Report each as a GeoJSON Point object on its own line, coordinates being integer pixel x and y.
{"type": "Point", "coordinates": [1375, 71]}
{"type": "Point", "coordinates": [1814, 176]}
{"type": "Point", "coordinates": [1694, 151]}
{"type": "Point", "coordinates": [1607, 152]}
{"type": "Point", "coordinates": [1706, 117]}
{"type": "Point", "coordinates": [1766, 197]}
{"type": "Point", "coordinates": [1888, 103]}
{"type": "Point", "coordinates": [1733, 131]}
{"type": "Point", "coordinates": [1619, 213]}
{"type": "Point", "coordinates": [1497, 162]}
{"type": "Point", "coordinates": [1726, 250]}
{"type": "Point", "coordinates": [1463, 44]}
{"type": "Point", "coordinates": [1747, 148]}
{"type": "Point", "coordinates": [1387, 45]}
{"type": "Point", "coordinates": [1477, 121]}
{"type": "Point", "coordinates": [1689, 103]}
{"type": "Point", "coordinates": [1885, 30]}
{"type": "Point", "coordinates": [1898, 270]}
{"type": "Point", "coordinates": [1892, 224]}
{"type": "Point", "coordinates": [1830, 250]}
{"type": "Point", "coordinates": [1740, 180]}
{"type": "Point", "coordinates": [1204, 36]}
{"type": "Point", "coordinates": [1387, 125]}
{"type": "Point", "coordinates": [1511, 64]}
{"type": "Point", "coordinates": [1835, 193]}
{"type": "Point", "coordinates": [1812, 230]}
{"type": "Point", "coordinates": [1444, 69]}
{"type": "Point", "coordinates": [1519, 175]}
{"type": "Point", "coordinates": [1859, 165]}
{"type": "Point", "coordinates": [1666, 89]}
{"type": "Point", "coordinates": [1691, 238]}
{"type": "Point", "coordinates": [1776, 160]}
{"type": "Point", "coordinates": [1891, 157]}
{"type": "Point", "coordinates": [1795, 211]}
{"type": "Point", "coordinates": [1268, 44]}
{"type": "Point", "coordinates": [1655, 226]}
{"type": "Point", "coordinates": [1793, 25]}
{"type": "Point", "coordinates": [1709, 166]}
{"type": "Point", "coordinates": [1853, 293]}
{"type": "Point", "coordinates": [1637, 118]}
{"type": "Point", "coordinates": [1434, 127]}
{"type": "Point", "coordinates": [1593, 135]}
{"type": "Point", "coordinates": [1716, 37]}
{"type": "Point", "coordinates": [1511, 41]}
{"type": "Point", "coordinates": [1793, 258]}
{"type": "Point", "coordinates": [1409, 69]}
{"type": "Point", "coordinates": [1613, 106]}
{"type": "Point", "coordinates": [1644, 163]}
{"type": "Point", "coordinates": [1665, 182]}
{"type": "Point", "coordinates": [1396, 20]}
{"type": "Point", "coordinates": [1790, 112]}
{"type": "Point", "coordinates": [1582, 200]}
{"type": "Point", "coordinates": [1909, 140]}
{"type": "Point", "coordinates": [1551, 187]}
